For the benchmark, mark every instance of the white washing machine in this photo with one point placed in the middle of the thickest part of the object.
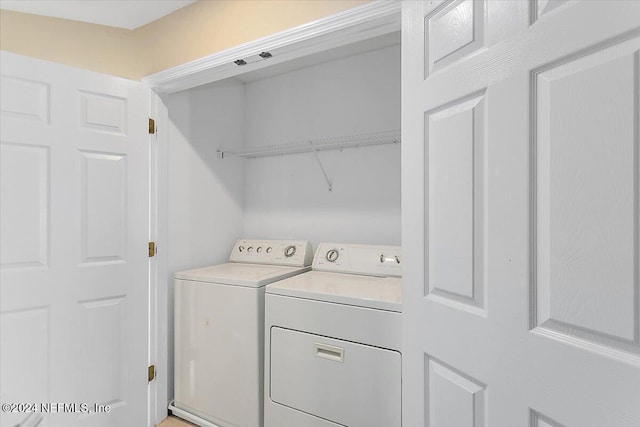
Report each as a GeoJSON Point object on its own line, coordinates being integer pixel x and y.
{"type": "Point", "coordinates": [333, 340]}
{"type": "Point", "coordinates": [219, 332]}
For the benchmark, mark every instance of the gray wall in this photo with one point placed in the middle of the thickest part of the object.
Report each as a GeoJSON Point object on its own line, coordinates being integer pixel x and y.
{"type": "Point", "coordinates": [287, 196]}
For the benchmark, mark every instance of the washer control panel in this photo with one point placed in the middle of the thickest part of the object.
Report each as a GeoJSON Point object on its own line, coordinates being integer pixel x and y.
{"type": "Point", "coordinates": [372, 260]}
{"type": "Point", "coordinates": [294, 253]}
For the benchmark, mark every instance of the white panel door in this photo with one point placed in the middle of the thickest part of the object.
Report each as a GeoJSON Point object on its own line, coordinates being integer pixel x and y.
{"type": "Point", "coordinates": [521, 213]}
{"type": "Point", "coordinates": [75, 215]}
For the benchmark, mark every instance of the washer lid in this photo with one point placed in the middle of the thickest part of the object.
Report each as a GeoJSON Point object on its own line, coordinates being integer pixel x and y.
{"type": "Point", "coordinates": [240, 274]}
{"type": "Point", "coordinates": [384, 293]}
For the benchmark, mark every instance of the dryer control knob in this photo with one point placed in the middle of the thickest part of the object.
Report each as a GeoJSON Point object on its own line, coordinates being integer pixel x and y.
{"type": "Point", "coordinates": [332, 255]}
{"type": "Point", "coordinates": [289, 251]}
{"type": "Point", "coordinates": [241, 248]}
{"type": "Point", "coordinates": [269, 249]}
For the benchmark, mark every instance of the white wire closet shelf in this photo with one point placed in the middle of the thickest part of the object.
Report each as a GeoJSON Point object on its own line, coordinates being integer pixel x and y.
{"type": "Point", "coordinates": [321, 144]}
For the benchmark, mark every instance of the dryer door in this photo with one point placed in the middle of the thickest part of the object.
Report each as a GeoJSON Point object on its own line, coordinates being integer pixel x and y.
{"type": "Point", "coordinates": [344, 382]}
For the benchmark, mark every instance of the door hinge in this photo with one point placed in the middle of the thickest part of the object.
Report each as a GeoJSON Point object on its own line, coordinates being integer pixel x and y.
{"type": "Point", "coordinates": [152, 249]}
{"type": "Point", "coordinates": [152, 126]}
{"type": "Point", "coordinates": [152, 373]}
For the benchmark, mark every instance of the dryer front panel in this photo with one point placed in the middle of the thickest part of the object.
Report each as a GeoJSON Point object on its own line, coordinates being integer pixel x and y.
{"type": "Point", "coordinates": [344, 382]}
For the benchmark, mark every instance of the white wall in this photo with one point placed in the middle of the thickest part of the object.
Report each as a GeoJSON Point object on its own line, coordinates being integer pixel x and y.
{"type": "Point", "coordinates": [287, 196]}
{"type": "Point", "coordinates": [204, 193]}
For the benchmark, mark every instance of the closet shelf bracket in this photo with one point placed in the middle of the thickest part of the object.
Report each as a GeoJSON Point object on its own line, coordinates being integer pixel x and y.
{"type": "Point", "coordinates": [326, 178]}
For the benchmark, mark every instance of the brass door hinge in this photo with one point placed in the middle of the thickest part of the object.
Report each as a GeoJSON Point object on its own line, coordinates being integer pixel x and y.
{"type": "Point", "coordinates": [152, 373]}
{"type": "Point", "coordinates": [152, 249]}
{"type": "Point", "coordinates": [152, 126]}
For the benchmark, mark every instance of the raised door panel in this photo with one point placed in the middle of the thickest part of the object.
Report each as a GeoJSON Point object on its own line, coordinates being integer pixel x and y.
{"type": "Point", "coordinates": [455, 229]}
{"type": "Point", "coordinates": [104, 196]}
{"type": "Point", "coordinates": [543, 7]}
{"type": "Point", "coordinates": [25, 99]}
{"type": "Point", "coordinates": [587, 197]}
{"type": "Point", "coordinates": [25, 205]}
{"type": "Point", "coordinates": [453, 30]}
{"type": "Point", "coordinates": [452, 397]}
{"type": "Point", "coordinates": [538, 420]}
{"type": "Point", "coordinates": [103, 112]}
{"type": "Point", "coordinates": [28, 332]}
{"type": "Point", "coordinates": [103, 335]}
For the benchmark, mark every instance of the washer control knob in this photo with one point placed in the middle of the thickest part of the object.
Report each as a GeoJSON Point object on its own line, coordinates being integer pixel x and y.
{"type": "Point", "coordinates": [289, 251]}
{"type": "Point", "coordinates": [250, 249]}
{"type": "Point", "coordinates": [259, 249]}
{"type": "Point", "coordinates": [269, 249]}
{"type": "Point", "coordinates": [332, 255]}
{"type": "Point", "coordinates": [241, 248]}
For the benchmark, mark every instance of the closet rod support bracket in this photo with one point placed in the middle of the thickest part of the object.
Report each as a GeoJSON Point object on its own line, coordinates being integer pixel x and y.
{"type": "Point", "coordinates": [324, 173]}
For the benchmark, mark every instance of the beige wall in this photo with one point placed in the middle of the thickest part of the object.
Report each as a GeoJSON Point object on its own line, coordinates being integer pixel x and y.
{"type": "Point", "coordinates": [209, 26]}
{"type": "Point", "coordinates": [198, 30]}
{"type": "Point", "coordinates": [94, 47]}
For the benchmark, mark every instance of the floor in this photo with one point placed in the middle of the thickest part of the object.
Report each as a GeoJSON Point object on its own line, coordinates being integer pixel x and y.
{"type": "Point", "coordinates": [175, 422]}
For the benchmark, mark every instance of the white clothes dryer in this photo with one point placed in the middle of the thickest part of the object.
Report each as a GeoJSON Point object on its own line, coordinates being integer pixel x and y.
{"type": "Point", "coordinates": [333, 340]}
{"type": "Point", "coordinates": [219, 332]}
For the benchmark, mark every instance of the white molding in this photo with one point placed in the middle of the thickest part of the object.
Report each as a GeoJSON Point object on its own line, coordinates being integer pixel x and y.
{"type": "Point", "coordinates": [360, 23]}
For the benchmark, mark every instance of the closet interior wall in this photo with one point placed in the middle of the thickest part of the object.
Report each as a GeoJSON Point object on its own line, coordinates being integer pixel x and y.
{"type": "Point", "coordinates": [287, 196]}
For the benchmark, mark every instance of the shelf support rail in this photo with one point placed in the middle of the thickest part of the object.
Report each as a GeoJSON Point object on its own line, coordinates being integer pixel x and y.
{"type": "Point", "coordinates": [331, 143]}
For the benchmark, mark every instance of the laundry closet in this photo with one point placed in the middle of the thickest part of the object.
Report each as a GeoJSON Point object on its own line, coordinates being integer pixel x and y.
{"type": "Point", "coordinates": [334, 195]}
{"type": "Point", "coordinates": [248, 156]}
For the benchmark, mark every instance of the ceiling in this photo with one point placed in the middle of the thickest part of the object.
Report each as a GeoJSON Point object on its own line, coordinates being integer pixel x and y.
{"type": "Point", "coordinates": [128, 14]}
